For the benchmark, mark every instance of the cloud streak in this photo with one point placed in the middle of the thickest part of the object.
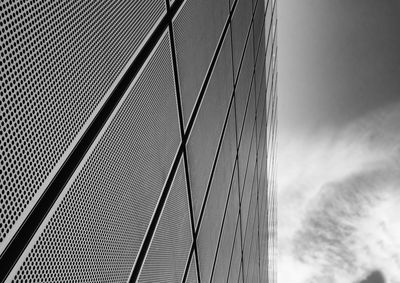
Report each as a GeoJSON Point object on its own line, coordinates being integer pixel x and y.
{"type": "Point", "coordinates": [339, 196]}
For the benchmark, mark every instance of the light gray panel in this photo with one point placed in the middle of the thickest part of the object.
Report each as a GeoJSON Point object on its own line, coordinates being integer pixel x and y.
{"type": "Point", "coordinates": [96, 231]}
{"type": "Point", "coordinates": [58, 60]}
{"type": "Point", "coordinates": [170, 247]}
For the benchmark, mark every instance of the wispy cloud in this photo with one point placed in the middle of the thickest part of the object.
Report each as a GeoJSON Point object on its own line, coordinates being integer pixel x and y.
{"type": "Point", "coordinates": [339, 201]}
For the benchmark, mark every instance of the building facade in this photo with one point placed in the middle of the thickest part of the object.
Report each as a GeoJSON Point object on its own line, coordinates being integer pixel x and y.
{"type": "Point", "coordinates": [137, 141]}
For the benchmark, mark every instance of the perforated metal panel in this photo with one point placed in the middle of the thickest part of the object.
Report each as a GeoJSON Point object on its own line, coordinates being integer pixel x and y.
{"type": "Point", "coordinates": [223, 260]}
{"type": "Point", "coordinates": [58, 60]}
{"type": "Point", "coordinates": [261, 102]}
{"type": "Point", "coordinates": [241, 21]}
{"type": "Point", "coordinates": [263, 186]}
{"type": "Point", "coordinates": [214, 210]}
{"type": "Point", "coordinates": [235, 255]}
{"type": "Point", "coordinates": [260, 74]}
{"type": "Point", "coordinates": [240, 275]}
{"type": "Point", "coordinates": [243, 84]}
{"type": "Point", "coordinates": [192, 277]}
{"type": "Point", "coordinates": [263, 228]}
{"type": "Point", "coordinates": [250, 225]}
{"type": "Point", "coordinates": [95, 232]}
{"type": "Point", "coordinates": [169, 250]}
{"type": "Point", "coordinates": [204, 138]}
{"type": "Point", "coordinates": [263, 189]}
{"type": "Point", "coordinates": [262, 147]}
{"type": "Point", "coordinates": [127, 211]}
{"type": "Point", "coordinates": [261, 121]}
{"type": "Point", "coordinates": [250, 181]}
{"type": "Point", "coordinates": [258, 18]}
{"type": "Point", "coordinates": [252, 274]}
{"type": "Point", "coordinates": [246, 142]}
{"type": "Point", "coordinates": [264, 233]}
{"type": "Point", "coordinates": [198, 28]}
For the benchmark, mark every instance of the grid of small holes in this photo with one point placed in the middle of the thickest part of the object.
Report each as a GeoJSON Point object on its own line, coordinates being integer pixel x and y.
{"type": "Point", "coordinates": [96, 231]}
{"type": "Point", "coordinates": [58, 59]}
{"type": "Point", "coordinates": [181, 24]}
{"type": "Point", "coordinates": [189, 26]}
{"type": "Point", "coordinates": [169, 250]}
{"type": "Point", "coordinates": [192, 273]}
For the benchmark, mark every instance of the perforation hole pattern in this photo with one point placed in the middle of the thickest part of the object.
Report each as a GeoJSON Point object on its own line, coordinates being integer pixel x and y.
{"type": "Point", "coordinates": [95, 232]}
{"type": "Point", "coordinates": [169, 250]}
{"type": "Point", "coordinates": [58, 59]}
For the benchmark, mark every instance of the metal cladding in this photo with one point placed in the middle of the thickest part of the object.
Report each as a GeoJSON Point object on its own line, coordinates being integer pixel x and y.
{"type": "Point", "coordinates": [137, 141]}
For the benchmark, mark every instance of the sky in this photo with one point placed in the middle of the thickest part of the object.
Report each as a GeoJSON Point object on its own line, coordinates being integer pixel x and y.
{"type": "Point", "coordinates": [338, 60]}
{"type": "Point", "coordinates": [338, 141]}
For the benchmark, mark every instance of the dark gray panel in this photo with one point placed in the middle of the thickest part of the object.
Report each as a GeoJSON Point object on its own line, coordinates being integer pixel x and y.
{"type": "Point", "coordinates": [243, 84]}
{"type": "Point", "coordinates": [260, 111]}
{"type": "Point", "coordinates": [258, 19]}
{"type": "Point", "coordinates": [268, 111]}
{"type": "Point", "coordinates": [260, 68]}
{"type": "Point", "coordinates": [209, 230]}
{"type": "Point", "coordinates": [169, 250]}
{"type": "Point", "coordinates": [269, 33]}
{"type": "Point", "coordinates": [203, 141]}
{"type": "Point", "coordinates": [228, 234]}
{"type": "Point", "coordinates": [262, 136]}
{"type": "Point", "coordinates": [262, 162]}
{"type": "Point", "coordinates": [58, 60]}
{"type": "Point", "coordinates": [197, 29]}
{"type": "Point", "coordinates": [268, 17]}
{"type": "Point", "coordinates": [262, 152]}
{"type": "Point", "coordinates": [241, 21]}
{"type": "Point", "coordinates": [96, 231]}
